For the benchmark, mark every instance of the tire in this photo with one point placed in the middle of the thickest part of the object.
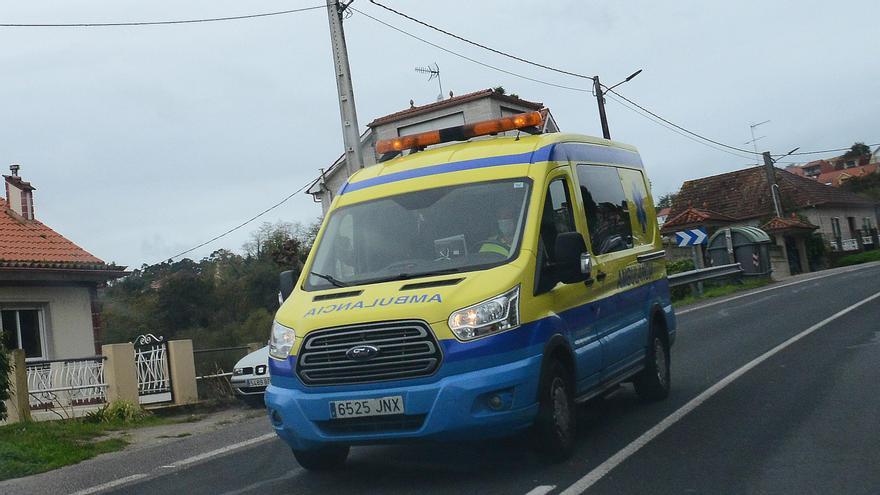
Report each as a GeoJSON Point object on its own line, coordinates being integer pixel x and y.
{"type": "Point", "coordinates": [653, 382]}
{"type": "Point", "coordinates": [553, 434]}
{"type": "Point", "coordinates": [324, 458]}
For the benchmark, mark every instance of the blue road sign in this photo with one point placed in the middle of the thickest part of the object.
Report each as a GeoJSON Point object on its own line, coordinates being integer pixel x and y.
{"type": "Point", "coordinates": [691, 237]}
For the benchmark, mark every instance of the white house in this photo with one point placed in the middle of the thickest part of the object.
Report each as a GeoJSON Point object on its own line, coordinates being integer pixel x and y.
{"type": "Point", "coordinates": [48, 284]}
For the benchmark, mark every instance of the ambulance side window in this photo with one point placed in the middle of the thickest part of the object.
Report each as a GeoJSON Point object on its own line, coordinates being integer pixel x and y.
{"type": "Point", "coordinates": [606, 208]}
{"type": "Point", "coordinates": [556, 218]}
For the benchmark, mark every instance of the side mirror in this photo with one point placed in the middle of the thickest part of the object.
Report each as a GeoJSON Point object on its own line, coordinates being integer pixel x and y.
{"type": "Point", "coordinates": [573, 262]}
{"type": "Point", "coordinates": [286, 282]}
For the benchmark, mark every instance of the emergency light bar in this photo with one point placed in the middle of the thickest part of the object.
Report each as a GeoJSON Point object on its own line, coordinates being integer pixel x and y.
{"type": "Point", "coordinates": [460, 133]}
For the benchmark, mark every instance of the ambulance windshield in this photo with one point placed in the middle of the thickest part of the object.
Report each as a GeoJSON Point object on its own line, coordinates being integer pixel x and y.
{"type": "Point", "coordinates": [444, 230]}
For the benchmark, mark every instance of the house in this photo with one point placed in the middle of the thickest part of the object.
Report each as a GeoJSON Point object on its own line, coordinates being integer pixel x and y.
{"type": "Point", "coordinates": [453, 111]}
{"type": "Point", "coordinates": [742, 198]}
{"type": "Point", "coordinates": [662, 215]}
{"type": "Point", "coordinates": [48, 284]}
{"type": "Point", "coordinates": [835, 171]}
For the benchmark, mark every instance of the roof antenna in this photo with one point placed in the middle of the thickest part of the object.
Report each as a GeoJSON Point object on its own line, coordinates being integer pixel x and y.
{"type": "Point", "coordinates": [432, 72]}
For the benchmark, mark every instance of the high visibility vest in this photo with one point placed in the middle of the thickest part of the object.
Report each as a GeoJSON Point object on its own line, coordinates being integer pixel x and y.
{"type": "Point", "coordinates": [493, 245]}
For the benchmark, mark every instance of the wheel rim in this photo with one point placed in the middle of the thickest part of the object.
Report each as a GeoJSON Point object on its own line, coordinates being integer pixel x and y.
{"type": "Point", "coordinates": [561, 411]}
{"type": "Point", "coordinates": [660, 362]}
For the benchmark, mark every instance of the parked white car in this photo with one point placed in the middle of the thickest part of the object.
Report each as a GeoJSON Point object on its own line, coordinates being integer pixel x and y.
{"type": "Point", "coordinates": [250, 377]}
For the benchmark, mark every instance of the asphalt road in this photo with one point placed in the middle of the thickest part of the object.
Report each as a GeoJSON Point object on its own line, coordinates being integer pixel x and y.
{"type": "Point", "coordinates": [774, 391]}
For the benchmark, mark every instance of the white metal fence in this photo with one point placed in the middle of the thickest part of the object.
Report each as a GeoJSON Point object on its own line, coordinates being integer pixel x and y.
{"type": "Point", "coordinates": [65, 383]}
{"type": "Point", "coordinates": [154, 380]}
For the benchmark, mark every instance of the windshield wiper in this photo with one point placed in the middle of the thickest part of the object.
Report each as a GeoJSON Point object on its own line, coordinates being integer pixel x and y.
{"type": "Point", "coordinates": [330, 279]}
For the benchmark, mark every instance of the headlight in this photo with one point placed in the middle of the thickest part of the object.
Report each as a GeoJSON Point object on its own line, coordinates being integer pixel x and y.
{"type": "Point", "coordinates": [495, 315]}
{"type": "Point", "coordinates": [280, 341]}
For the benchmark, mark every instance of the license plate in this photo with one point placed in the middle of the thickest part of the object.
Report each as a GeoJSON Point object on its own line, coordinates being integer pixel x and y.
{"type": "Point", "coordinates": [258, 382]}
{"type": "Point", "coordinates": [382, 406]}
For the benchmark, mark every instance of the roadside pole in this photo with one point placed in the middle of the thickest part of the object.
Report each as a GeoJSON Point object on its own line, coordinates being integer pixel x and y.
{"type": "Point", "coordinates": [771, 181]}
{"type": "Point", "coordinates": [600, 98]}
{"type": "Point", "coordinates": [697, 253]}
{"type": "Point", "coordinates": [350, 130]}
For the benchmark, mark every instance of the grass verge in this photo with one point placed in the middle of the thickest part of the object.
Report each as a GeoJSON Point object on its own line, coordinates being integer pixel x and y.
{"type": "Point", "coordinates": [34, 447]}
{"type": "Point", "coordinates": [722, 290]}
{"type": "Point", "coordinates": [859, 258]}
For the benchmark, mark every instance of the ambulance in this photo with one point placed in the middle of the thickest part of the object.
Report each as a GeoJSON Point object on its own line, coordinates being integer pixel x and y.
{"type": "Point", "coordinates": [480, 281]}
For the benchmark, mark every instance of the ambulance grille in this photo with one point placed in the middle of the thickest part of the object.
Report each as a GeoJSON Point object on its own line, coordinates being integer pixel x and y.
{"type": "Point", "coordinates": [407, 349]}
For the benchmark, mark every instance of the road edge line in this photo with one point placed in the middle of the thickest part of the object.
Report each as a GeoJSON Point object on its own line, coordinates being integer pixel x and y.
{"type": "Point", "coordinates": [176, 465]}
{"type": "Point", "coordinates": [773, 287]}
{"type": "Point", "coordinates": [612, 462]}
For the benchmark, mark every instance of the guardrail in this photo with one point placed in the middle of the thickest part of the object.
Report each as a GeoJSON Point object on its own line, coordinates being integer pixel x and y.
{"type": "Point", "coordinates": [703, 274]}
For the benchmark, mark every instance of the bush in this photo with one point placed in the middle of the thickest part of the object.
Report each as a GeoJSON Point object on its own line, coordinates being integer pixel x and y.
{"type": "Point", "coordinates": [118, 411]}
{"type": "Point", "coordinates": [679, 266]}
{"type": "Point", "coordinates": [855, 259]}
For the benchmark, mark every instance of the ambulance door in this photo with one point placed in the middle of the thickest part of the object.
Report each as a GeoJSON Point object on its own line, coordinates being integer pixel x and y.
{"type": "Point", "coordinates": [568, 301]}
{"type": "Point", "coordinates": [607, 215]}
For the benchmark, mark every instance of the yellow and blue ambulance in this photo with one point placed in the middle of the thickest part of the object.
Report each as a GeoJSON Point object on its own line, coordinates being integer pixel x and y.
{"type": "Point", "coordinates": [473, 289]}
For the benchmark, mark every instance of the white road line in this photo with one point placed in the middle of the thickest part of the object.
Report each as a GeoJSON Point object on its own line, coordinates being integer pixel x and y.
{"type": "Point", "coordinates": [110, 484]}
{"type": "Point", "coordinates": [223, 450]}
{"type": "Point", "coordinates": [178, 464]}
{"type": "Point", "coordinates": [612, 462]}
{"type": "Point", "coordinates": [772, 287]}
{"type": "Point", "coordinates": [542, 490]}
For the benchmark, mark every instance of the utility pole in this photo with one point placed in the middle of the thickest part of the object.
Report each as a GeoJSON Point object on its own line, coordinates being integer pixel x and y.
{"type": "Point", "coordinates": [771, 181]}
{"type": "Point", "coordinates": [350, 132]}
{"type": "Point", "coordinates": [600, 98]}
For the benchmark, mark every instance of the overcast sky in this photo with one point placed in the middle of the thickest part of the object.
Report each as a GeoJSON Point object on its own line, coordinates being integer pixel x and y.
{"type": "Point", "coordinates": [145, 141]}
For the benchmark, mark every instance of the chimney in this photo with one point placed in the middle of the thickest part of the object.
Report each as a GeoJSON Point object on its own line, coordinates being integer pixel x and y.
{"type": "Point", "coordinates": [19, 194]}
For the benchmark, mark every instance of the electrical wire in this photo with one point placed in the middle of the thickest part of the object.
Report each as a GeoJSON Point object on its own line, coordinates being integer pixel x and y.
{"type": "Point", "coordinates": [465, 57]}
{"type": "Point", "coordinates": [480, 45]}
{"type": "Point", "coordinates": [162, 23]}
{"type": "Point", "coordinates": [817, 152]}
{"type": "Point", "coordinates": [239, 226]}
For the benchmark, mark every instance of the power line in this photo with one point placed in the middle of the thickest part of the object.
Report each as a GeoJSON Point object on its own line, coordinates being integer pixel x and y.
{"type": "Point", "coordinates": [734, 148]}
{"type": "Point", "coordinates": [817, 152]}
{"type": "Point", "coordinates": [480, 45]}
{"type": "Point", "coordinates": [239, 226]}
{"type": "Point", "coordinates": [161, 23]}
{"type": "Point", "coordinates": [465, 57]}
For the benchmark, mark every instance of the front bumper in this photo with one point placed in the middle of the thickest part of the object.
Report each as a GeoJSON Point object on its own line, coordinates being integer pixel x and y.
{"type": "Point", "coordinates": [242, 388]}
{"type": "Point", "coordinates": [453, 407]}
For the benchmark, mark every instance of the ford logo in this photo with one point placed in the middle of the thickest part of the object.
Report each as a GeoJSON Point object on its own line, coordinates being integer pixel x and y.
{"type": "Point", "coordinates": [362, 352]}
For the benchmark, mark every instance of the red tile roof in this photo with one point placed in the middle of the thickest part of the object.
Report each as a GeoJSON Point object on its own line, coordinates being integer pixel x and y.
{"type": "Point", "coordinates": [836, 177]}
{"type": "Point", "coordinates": [744, 194]}
{"type": "Point", "coordinates": [695, 216]}
{"type": "Point", "coordinates": [30, 244]}
{"type": "Point", "coordinates": [777, 224]}
{"type": "Point", "coordinates": [455, 100]}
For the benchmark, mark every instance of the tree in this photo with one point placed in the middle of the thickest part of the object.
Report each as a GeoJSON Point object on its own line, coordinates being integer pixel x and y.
{"type": "Point", "coordinates": [857, 150]}
{"type": "Point", "coordinates": [666, 200]}
{"type": "Point", "coordinates": [866, 185]}
{"type": "Point", "coordinates": [223, 299]}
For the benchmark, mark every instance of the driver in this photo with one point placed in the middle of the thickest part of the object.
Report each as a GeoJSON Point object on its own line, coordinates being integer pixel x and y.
{"type": "Point", "coordinates": [500, 242]}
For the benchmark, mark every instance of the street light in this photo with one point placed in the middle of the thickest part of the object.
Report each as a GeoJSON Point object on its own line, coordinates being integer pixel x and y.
{"type": "Point", "coordinates": [600, 99]}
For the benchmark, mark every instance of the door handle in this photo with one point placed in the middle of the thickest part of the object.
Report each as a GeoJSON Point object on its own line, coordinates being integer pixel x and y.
{"type": "Point", "coordinates": [601, 276]}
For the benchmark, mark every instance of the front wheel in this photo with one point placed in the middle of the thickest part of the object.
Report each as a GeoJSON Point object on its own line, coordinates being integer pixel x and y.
{"type": "Point", "coordinates": [322, 458]}
{"type": "Point", "coordinates": [554, 431]}
{"type": "Point", "coordinates": [653, 383]}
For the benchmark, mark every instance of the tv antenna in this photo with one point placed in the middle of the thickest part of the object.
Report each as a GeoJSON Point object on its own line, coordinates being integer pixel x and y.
{"type": "Point", "coordinates": [433, 73]}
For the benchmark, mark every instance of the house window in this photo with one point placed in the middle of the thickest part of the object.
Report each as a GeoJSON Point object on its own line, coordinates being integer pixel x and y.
{"type": "Point", "coordinates": [867, 225]}
{"type": "Point", "coordinates": [835, 227]}
{"type": "Point", "coordinates": [23, 329]}
{"type": "Point", "coordinates": [850, 164]}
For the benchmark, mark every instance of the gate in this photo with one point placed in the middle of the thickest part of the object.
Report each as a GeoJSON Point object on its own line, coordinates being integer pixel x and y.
{"type": "Point", "coordinates": [151, 357]}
